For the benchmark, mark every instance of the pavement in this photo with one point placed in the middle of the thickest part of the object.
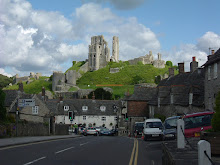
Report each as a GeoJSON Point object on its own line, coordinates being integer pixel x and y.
{"type": "Point", "coordinates": [6, 142]}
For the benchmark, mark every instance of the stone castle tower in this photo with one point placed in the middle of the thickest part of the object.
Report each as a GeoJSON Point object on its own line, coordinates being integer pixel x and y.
{"type": "Point", "coordinates": [115, 49]}
{"type": "Point", "coordinates": [99, 53]}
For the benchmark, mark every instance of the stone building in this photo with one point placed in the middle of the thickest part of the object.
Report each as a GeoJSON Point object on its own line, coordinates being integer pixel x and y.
{"type": "Point", "coordinates": [212, 79]}
{"type": "Point", "coordinates": [99, 53]}
{"type": "Point", "coordinates": [149, 59]}
{"type": "Point", "coordinates": [180, 94]}
{"type": "Point", "coordinates": [135, 106]}
{"type": "Point", "coordinates": [18, 79]}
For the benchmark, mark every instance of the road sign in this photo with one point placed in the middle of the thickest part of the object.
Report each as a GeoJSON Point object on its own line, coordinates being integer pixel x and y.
{"type": "Point", "coordinates": [26, 102]}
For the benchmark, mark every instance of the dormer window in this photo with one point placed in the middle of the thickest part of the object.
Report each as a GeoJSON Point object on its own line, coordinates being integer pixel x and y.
{"type": "Point", "coordinates": [66, 108]}
{"type": "Point", "coordinates": [103, 108]}
{"type": "Point", "coordinates": [84, 108]}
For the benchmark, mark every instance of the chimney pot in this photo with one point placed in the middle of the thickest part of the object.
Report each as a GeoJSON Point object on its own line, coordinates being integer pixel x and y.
{"type": "Point", "coordinates": [213, 52]}
{"type": "Point", "coordinates": [193, 58]}
{"type": "Point", "coordinates": [181, 68]}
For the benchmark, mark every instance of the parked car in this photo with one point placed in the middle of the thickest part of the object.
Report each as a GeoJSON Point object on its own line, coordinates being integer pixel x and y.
{"type": "Point", "coordinates": [106, 131]}
{"type": "Point", "coordinates": [153, 129]}
{"type": "Point", "coordinates": [170, 126]}
{"type": "Point", "coordinates": [114, 131]}
{"type": "Point", "coordinates": [90, 131]}
{"type": "Point", "coordinates": [197, 122]}
{"type": "Point", "coordinates": [138, 127]}
{"type": "Point", "coordinates": [81, 130]}
{"type": "Point", "coordinates": [99, 129]}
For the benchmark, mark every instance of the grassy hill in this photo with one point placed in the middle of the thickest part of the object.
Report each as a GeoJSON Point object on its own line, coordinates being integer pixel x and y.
{"type": "Point", "coordinates": [4, 81]}
{"type": "Point", "coordinates": [127, 77]}
{"type": "Point", "coordinates": [34, 87]}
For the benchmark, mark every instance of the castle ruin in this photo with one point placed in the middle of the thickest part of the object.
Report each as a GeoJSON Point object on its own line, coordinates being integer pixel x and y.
{"type": "Point", "coordinates": [149, 59]}
{"type": "Point", "coordinates": [99, 53]}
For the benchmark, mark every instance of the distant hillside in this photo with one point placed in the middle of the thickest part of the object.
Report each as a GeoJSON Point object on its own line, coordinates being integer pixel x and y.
{"type": "Point", "coordinates": [4, 81]}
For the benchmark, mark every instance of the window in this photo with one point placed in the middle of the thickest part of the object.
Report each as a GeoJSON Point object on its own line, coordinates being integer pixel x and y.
{"type": "Point", "coordinates": [158, 102]}
{"type": "Point", "coordinates": [215, 70]}
{"type": "Point", "coordinates": [171, 99]}
{"type": "Point", "coordinates": [190, 98]}
{"type": "Point", "coordinates": [66, 108]}
{"type": "Point", "coordinates": [209, 72]}
{"type": "Point", "coordinates": [84, 108]}
{"type": "Point", "coordinates": [103, 108]}
{"type": "Point", "coordinates": [35, 110]}
{"type": "Point", "coordinates": [116, 118]}
{"type": "Point", "coordinates": [103, 118]}
{"type": "Point", "coordinates": [84, 117]}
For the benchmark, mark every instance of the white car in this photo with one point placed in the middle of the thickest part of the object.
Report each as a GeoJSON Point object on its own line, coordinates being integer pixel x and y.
{"type": "Point", "coordinates": [153, 128]}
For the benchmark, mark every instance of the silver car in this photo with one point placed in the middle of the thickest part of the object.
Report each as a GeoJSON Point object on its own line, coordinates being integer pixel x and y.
{"type": "Point", "coordinates": [90, 131]}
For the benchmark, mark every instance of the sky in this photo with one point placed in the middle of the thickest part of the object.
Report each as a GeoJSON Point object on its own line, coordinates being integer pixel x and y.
{"type": "Point", "coordinates": [45, 36]}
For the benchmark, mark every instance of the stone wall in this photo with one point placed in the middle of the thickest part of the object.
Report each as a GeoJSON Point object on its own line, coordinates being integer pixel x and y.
{"type": "Point", "coordinates": [114, 70]}
{"type": "Point", "coordinates": [61, 129]}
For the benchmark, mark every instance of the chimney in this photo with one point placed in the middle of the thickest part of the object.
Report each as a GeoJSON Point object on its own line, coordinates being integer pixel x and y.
{"type": "Point", "coordinates": [213, 52]}
{"type": "Point", "coordinates": [60, 99]}
{"type": "Point", "coordinates": [43, 94]}
{"type": "Point", "coordinates": [193, 64]}
{"type": "Point", "coordinates": [20, 87]}
{"type": "Point", "coordinates": [211, 55]}
{"type": "Point", "coordinates": [181, 68]}
{"type": "Point", "coordinates": [171, 72]}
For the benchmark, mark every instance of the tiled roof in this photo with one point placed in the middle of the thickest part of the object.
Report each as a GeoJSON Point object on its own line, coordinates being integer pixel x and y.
{"type": "Point", "coordinates": [93, 106]}
{"type": "Point", "coordinates": [10, 96]}
{"type": "Point", "coordinates": [213, 58]}
{"type": "Point", "coordinates": [142, 93]}
{"type": "Point", "coordinates": [180, 86]}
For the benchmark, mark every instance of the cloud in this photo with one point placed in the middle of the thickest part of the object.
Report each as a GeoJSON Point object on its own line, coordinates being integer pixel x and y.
{"type": "Point", "coordinates": [2, 71]}
{"type": "Point", "coordinates": [120, 4]}
{"type": "Point", "coordinates": [200, 50]}
{"type": "Point", "coordinates": [41, 41]}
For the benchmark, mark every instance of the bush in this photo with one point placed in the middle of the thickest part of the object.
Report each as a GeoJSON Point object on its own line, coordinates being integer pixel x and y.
{"type": "Point", "coordinates": [216, 116]}
{"type": "Point", "coordinates": [161, 117]}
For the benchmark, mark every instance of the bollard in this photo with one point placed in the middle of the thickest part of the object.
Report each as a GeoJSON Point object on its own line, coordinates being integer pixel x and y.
{"type": "Point", "coordinates": [204, 146]}
{"type": "Point", "coordinates": [180, 136]}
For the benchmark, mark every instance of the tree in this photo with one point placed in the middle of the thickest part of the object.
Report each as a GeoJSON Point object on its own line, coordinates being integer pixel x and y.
{"type": "Point", "coordinates": [2, 107]}
{"type": "Point", "coordinates": [101, 94]}
{"type": "Point", "coordinates": [169, 63]}
{"type": "Point", "coordinates": [136, 79]}
{"type": "Point", "coordinates": [216, 117]}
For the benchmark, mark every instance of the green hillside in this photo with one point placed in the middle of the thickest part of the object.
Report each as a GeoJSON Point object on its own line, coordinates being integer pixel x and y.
{"type": "Point", "coordinates": [128, 75]}
{"type": "Point", "coordinates": [34, 87]}
{"type": "Point", "coordinates": [4, 81]}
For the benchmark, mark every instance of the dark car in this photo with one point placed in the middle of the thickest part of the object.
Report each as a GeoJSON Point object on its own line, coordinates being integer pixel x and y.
{"type": "Point", "coordinates": [114, 131]}
{"type": "Point", "coordinates": [138, 128]}
{"type": "Point", "coordinates": [106, 131]}
{"type": "Point", "coordinates": [170, 126]}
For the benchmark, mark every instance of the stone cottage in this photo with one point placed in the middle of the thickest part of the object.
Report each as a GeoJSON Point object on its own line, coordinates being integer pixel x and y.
{"type": "Point", "coordinates": [212, 79]}
{"type": "Point", "coordinates": [89, 112]}
{"type": "Point", "coordinates": [180, 94]}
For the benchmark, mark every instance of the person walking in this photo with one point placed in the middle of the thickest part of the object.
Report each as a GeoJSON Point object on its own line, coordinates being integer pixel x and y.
{"type": "Point", "coordinates": [76, 128]}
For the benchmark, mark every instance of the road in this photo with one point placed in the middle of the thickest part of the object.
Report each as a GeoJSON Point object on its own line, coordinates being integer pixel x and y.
{"type": "Point", "coordinates": [89, 150]}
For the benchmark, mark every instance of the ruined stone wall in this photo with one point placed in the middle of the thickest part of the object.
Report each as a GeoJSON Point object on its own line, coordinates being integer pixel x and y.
{"type": "Point", "coordinates": [71, 77]}
{"type": "Point", "coordinates": [115, 49]}
{"type": "Point", "coordinates": [58, 79]}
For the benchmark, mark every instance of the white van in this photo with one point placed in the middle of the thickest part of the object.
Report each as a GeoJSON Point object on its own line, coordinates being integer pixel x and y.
{"type": "Point", "coordinates": [153, 128]}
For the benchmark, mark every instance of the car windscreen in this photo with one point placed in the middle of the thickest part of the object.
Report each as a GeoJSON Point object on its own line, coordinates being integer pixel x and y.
{"type": "Point", "coordinates": [170, 123]}
{"type": "Point", "coordinates": [154, 125]}
{"type": "Point", "coordinates": [198, 121]}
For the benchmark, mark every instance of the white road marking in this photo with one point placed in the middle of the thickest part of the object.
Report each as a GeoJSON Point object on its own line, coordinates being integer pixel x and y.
{"type": "Point", "coordinates": [63, 150]}
{"type": "Point", "coordinates": [35, 160]}
{"type": "Point", "coordinates": [83, 144]}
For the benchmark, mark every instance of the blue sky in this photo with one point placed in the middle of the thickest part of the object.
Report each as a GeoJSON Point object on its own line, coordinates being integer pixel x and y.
{"type": "Point", "coordinates": [45, 36]}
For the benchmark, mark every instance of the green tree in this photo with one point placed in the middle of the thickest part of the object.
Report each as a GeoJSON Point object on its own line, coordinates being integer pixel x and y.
{"type": "Point", "coordinates": [136, 79]}
{"type": "Point", "coordinates": [101, 94]}
{"type": "Point", "coordinates": [216, 117]}
{"type": "Point", "coordinates": [169, 63]}
{"type": "Point", "coordinates": [157, 79]}
{"type": "Point", "coordinates": [2, 107]}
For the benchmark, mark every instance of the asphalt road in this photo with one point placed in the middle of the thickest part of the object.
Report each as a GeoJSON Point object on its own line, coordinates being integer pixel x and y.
{"type": "Point", "coordinates": [89, 150]}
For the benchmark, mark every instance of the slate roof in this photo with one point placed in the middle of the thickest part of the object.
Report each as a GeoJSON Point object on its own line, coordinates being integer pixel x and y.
{"type": "Point", "coordinates": [93, 106]}
{"type": "Point", "coordinates": [10, 96]}
{"type": "Point", "coordinates": [180, 86]}
{"type": "Point", "coordinates": [213, 58]}
{"type": "Point", "coordinates": [142, 93]}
